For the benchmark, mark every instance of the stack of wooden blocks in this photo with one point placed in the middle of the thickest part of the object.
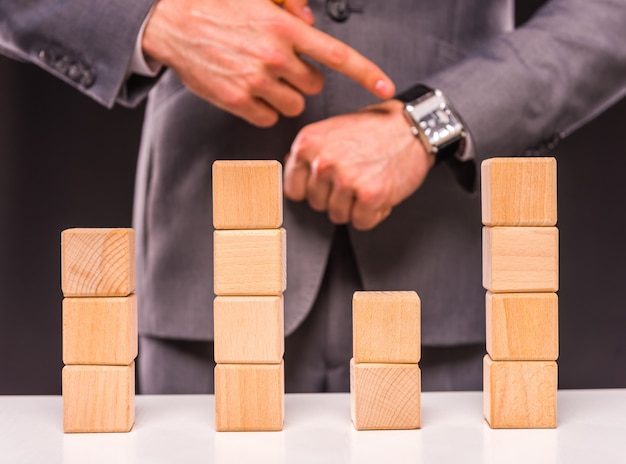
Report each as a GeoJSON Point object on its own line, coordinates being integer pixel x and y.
{"type": "Point", "coordinates": [250, 278]}
{"type": "Point", "coordinates": [520, 272]}
{"type": "Point", "coordinates": [385, 380]}
{"type": "Point", "coordinates": [99, 329]}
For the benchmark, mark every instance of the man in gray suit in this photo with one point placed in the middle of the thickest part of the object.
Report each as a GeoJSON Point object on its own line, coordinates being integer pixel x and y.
{"type": "Point", "coordinates": [385, 209]}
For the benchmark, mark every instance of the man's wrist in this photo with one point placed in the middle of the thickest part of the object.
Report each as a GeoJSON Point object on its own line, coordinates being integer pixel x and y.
{"type": "Point", "coordinates": [397, 107]}
{"type": "Point", "coordinates": [140, 63]}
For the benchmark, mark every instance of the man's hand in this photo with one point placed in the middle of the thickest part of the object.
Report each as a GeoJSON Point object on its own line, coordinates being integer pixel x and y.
{"type": "Point", "coordinates": [357, 166]}
{"type": "Point", "coordinates": [246, 57]}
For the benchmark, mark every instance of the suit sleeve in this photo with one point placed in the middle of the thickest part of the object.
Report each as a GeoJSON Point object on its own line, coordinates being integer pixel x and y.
{"type": "Point", "coordinates": [521, 92]}
{"type": "Point", "coordinates": [86, 43]}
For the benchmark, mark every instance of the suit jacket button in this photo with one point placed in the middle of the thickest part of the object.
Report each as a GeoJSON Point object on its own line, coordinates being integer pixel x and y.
{"type": "Point", "coordinates": [46, 56]}
{"type": "Point", "coordinates": [63, 65]}
{"type": "Point", "coordinates": [75, 72]}
{"type": "Point", "coordinates": [338, 10]}
{"type": "Point", "coordinates": [88, 78]}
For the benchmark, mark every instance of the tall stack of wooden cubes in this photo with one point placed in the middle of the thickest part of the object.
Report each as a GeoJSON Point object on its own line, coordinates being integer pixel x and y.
{"type": "Point", "coordinates": [99, 329]}
{"type": "Point", "coordinates": [520, 273]}
{"type": "Point", "coordinates": [249, 281]}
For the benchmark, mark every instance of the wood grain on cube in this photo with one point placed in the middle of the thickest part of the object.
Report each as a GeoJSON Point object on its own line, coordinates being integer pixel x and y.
{"type": "Point", "coordinates": [98, 398]}
{"type": "Point", "coordinates": [522, 326]}
{"type": "Point", "coordinates": [385, 396]}
{"type": "Point", "coordinates": [249, 397]}
{"type": "Point", "coordinates": [519, 192]}
{"type": "Point", "coordinates": [250, 262]}
{"type": "Point", "coordinates": [520, 394]}
{"type": "Point", "coordinates": [249, 329]}
{"type": "Point", "coordinates": [97, 262]}
{"type": "Point", "coordinates": [100, 330]}
{"type": "Point", "coordinates": [386, 327]}
{"type": "Point", "coordinates": [521, 259]}
{"type": "Point", "coordinates": [247, 194]}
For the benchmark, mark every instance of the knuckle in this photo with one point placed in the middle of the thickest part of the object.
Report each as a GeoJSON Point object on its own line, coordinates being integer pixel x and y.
{"type": "Point", "coordinates": [304, 141]}
{"type": "Point", "coordinates": [338, 54]}
{"type": "Point", "coordinates": [236, 98]}
{"type": "Point", "coordinates": [325, 165]}
{"type": "Point", "coordinates": [267, 51]}
{"type": "Point", "coordinates": [258, 81]}
{"type": "Point", "coordinates": [297, 155]}
{"type": "Point", "coordinates": [277, 25]}
{"type": "Point", "coordinates": [343, 182]}
{"type": "Point", "coordinates": [368, 197]}
{"type": "Point", "coordinates": [275, 59]}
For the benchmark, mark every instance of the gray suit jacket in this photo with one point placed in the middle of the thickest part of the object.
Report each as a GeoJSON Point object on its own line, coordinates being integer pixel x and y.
{"type": "Point", "coordinates": [517, 91]}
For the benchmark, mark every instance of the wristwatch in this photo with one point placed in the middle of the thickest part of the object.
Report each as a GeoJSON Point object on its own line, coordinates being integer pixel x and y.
{"type": "Point", "coordinates": [434, 121]}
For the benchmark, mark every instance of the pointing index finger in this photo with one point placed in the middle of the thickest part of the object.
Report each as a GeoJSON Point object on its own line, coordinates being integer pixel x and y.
{"type": "Point", "coordinates": [342, 58]}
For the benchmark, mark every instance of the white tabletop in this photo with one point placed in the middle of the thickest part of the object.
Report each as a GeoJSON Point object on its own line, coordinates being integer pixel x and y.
{"type": "Point", "coordinates": [181, 429]}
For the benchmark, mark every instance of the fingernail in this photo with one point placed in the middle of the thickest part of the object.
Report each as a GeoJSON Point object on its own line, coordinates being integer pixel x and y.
{"type": "Point", "coordinates": [384, 88]}
{"type": "Point", "coordinates": [307, 15]}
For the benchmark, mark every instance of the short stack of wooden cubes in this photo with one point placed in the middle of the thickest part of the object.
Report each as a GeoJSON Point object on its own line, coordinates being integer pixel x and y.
{"type": "Point", "coordinates": [249, 281]}
{"type": "Point", "coordinates": [385, 378]}
{"type": "Point", "coordinates": [99, 329]}
{"type": "Point", "coordinates": [520, 273]}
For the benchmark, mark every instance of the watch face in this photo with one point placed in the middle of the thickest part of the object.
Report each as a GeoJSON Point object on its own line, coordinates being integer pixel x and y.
{"type": "Point", "coordinates": [440, 125]}
{"type": "Point", "coordinates": [434, 121]}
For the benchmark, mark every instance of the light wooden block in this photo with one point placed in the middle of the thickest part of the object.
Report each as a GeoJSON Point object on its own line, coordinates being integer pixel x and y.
{"type": "Point", "coordinates": [98, 398]}
{"type": "Point", "coordinates": [385, 396]}
{"type": "Point", "coordinates": [97, 262]}
{"type": "Point", "coordinates": [519, 192]}
{"type": "Point", "coordinates": [521, 259]}
{"type": "Point", "coordinates": [100, 330]}
{"type": "Point", "coordinates": [250, 262]}
{"type": "Point", "coordinates": [247, 194]}
{"type": "Point", "coordinates": [386, 327]}
{"type": "Point", "coordinates": [520, 394]}
{"type": "Point", "coordinates": [249, 329]}
{"type": "Point", "coordinates": [522, 326]}
{"type": "Point", "coordinates": [249, 397]}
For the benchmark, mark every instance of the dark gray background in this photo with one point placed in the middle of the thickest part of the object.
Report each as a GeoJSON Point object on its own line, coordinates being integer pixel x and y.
{"type": "Point", "coordinates": [67, 162]}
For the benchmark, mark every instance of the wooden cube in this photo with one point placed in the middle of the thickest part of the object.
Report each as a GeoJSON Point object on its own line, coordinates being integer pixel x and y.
{"type": "Point", "coordinates": [98, 398]}
{"type": "Point", "coordinates": [519, 192]}
{"type": "Point", "coordinates": [520, 394]}
{"type": "Point", "coordinates": [385, 396]}
{"type": "Point", "coordinates": [97, 262]}
{"type": "Point", "coordinates": [247, 194]}
{"type": "Point", "coordinates": [100, 330]}
{"type": "Point", "coordinates": [386, 327]}
{"type": "Point", "coordinates": [521, 259]}
{"type": "Point", "coordinates": [522, 326]}
{"type": "Point", "coordinates": [249, 329]}
{"type": "Point", "coordinates": [249, 397]}
{"type": "Point", "coordinates": [250, 262]}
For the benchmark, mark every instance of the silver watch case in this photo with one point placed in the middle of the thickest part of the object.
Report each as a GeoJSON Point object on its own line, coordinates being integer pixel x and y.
{"type": "Point", "coordinates": [434, 121]}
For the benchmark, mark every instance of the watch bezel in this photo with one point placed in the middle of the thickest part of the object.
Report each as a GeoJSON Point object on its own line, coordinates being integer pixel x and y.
{"type": "Point", "coordinates": [435, 122]}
